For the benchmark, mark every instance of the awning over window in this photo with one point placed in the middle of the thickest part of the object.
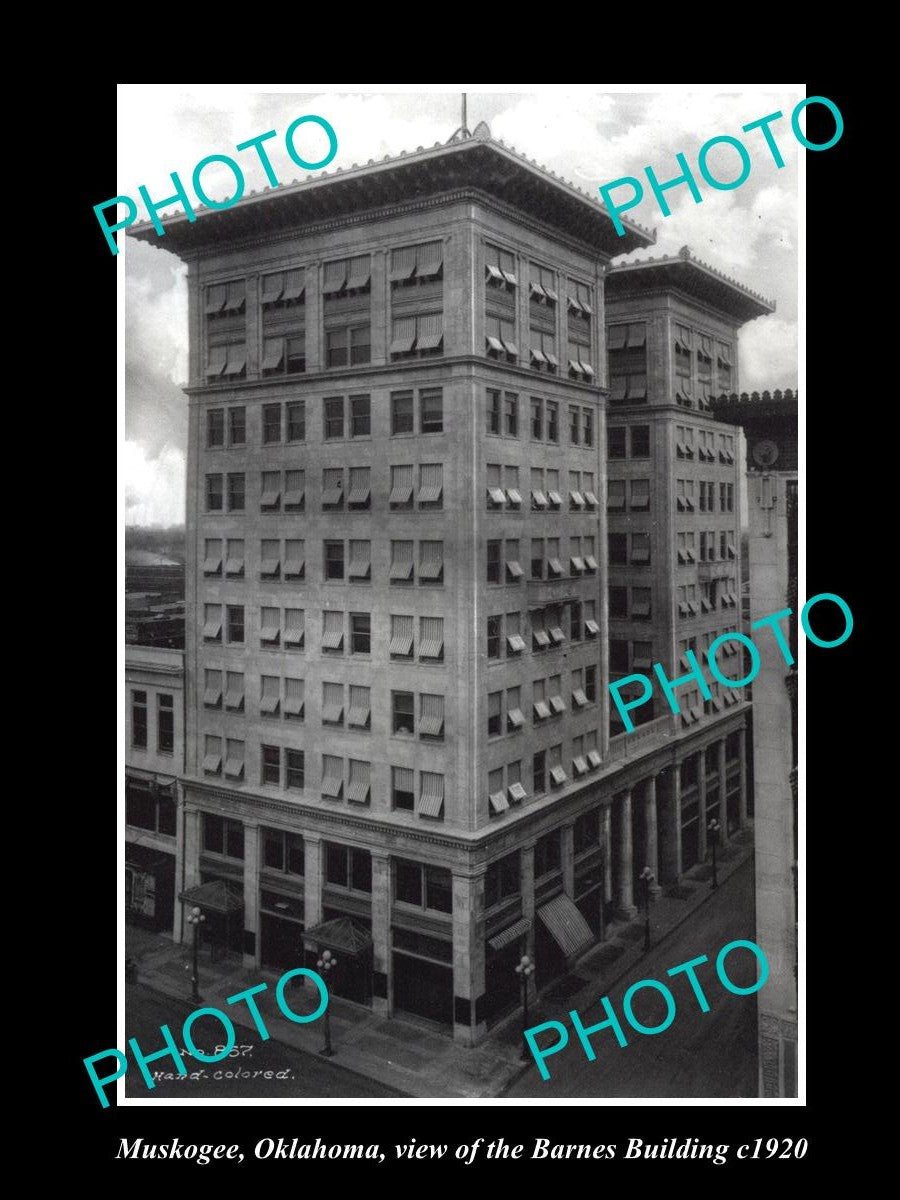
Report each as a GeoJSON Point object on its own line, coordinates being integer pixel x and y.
{"type": "Point", "coordinates": [516, 643]}
{"type": "Point", "coordinates": [273, 353]}
{"type": "Point", "coordinates": [332, 776]}
{"type": "Point", "coordinates": [216, 896]}
{"type": "Point", "coordinates": [294, 559]}
{"type": "Point", "coordinates": [511, 934]}
{"type": "Point", "coordinates": [358, 787]}
{"type": "Point", "coordinates": [517, 792]}
{"type": "Point", "coordinates": [215, 297]}
{"type": "Point", "coordinates": [360, 271]}
{"type": "Point", "coordinates": [431, 562]}
{"type": "Point", "coordinates": [431, 798]}
{"type": "Point", "coordinates": [218, 356]}
{"type": "Point", "coordinates": [360, 560]}
{"type": "Point", "coordinates": [340, 935]}
{"type": "Point", "coordinates": [431, 717]}
{"type": "Point", "coordinates": [431, 641]}
{"type": "Point", "coordinates": [403, 263]}
{"type": "Point", "coordinates": [498, 801]}
{"type": "Point", "coordinates": [538, 499]}
{"type": "Point", "coordinates": [294, 285]}
{"type": "Point", "coordinates": [401, 635]}
{"type": "Point", "coordinates": [332, 495]}
{"type": "Point", "coordinates": [566, 925]}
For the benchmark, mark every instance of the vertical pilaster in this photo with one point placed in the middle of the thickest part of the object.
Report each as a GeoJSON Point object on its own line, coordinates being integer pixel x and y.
{"type": "Point", "coordinates": [624, 876]}
{"type": "Point", "coordinates": [651, 826]}
{"type": "Point", "coordinates": [251, 895]}
{"type": "Point", "coordinates": [607, 853]}
{"type": "Point", "coordinates": [526, 876]}
{"type": "Point", "coordinates": [314, 357]}
{"type": "Point", "coordinates": [468, 958]}
{"type": "Point", "coordinates": [381, 932]}
{"type": "Point", "coordinates": [670, 851]}
{"type": "Point", "coordinates": [381, 308]}
{"type": "Point", "coordinates": [312, 880]}
{"type": "Point", "coordinates": [567, 854]}
{"type": "Point", "coordinates": [179, 862]}
{"type": "Point", "coordinates": [723, 806]}
{"type": "Point", "coordinates": [253, 325]}
{"type": "Point", "coordinates": [742, 735]}
{"type": "Point", "coordinates": [701, 802]}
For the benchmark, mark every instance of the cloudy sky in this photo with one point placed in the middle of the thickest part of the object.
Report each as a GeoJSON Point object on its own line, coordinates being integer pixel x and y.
{"type": "Point", "coordinates": [588, 137]}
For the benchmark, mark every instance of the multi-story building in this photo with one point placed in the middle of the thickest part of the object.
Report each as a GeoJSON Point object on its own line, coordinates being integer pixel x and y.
{"type": "Point", "coordinates": [397, 722]}
{"type": "Point", "coordinates": [154, 761]}
{"type": "Point", "coordinates": [770, 426]}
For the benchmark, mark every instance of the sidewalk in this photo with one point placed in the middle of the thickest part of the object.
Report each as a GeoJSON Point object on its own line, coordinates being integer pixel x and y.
{"type": "Point", "coordinates": [401, 1053]}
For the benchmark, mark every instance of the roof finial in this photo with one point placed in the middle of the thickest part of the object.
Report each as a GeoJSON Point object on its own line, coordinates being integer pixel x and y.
{"type": "Point", "coordinates": [462, 132]}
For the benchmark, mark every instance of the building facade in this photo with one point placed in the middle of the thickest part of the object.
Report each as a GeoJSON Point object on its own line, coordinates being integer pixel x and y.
{"type": "Point", "coordinates": [770, 425]}
{"type": "Point", "coordinates": [397, 721]}
{"type": "Point", "coordinates": [154, 763]}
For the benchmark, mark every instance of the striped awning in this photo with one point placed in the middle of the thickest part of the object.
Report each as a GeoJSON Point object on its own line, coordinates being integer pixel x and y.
{"type": "Point", "coordinates": [511, 934]}
{"type": "Point", "coordinates": [566, 925]}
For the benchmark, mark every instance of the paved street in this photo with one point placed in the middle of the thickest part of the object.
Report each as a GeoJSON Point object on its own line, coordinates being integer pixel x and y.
{"type": "Point", "coordinates": [700, 1054]}
{"type": "Point", "coordinates": [291, 1072]}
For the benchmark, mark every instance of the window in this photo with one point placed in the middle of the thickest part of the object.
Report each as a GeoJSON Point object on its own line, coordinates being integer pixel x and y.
{"type": "Point", "coordinates": [494, 627]}
{"type": "Point", "coordinates": [495, 714]}
{"type": "Point", "coordinates": [511, 414]}
{"type": "Point", "coordinates": [333, 631]}
{"type": "Point", "coordinates": [283, 851]}
{"type": "Point", "coordinates": [640, 603]}
{"type": "Point", "coordinates": [547, 855]}
{"type": "Point", "coordinates": [640, 441]}
{"type": "Point", "coordinates": [235, 623]}
{"type": "Point", "coordinates": [333, 556]}
{"type": "Point", "coordinates": [618, 655]}
{"type": "Point", "coordinates": [214, 493]}
{"type": "Point", "coordinates": [419, 336]}
{"type": "Point", "coordinates": [431, 639]}
{"type": "Point", "coordinates": [640, 495]}
{"type": "Point", "coordinates": [221, 836]}
{"type": "Point", "coordinates": [574, 425]}
{"type": "Point", "coordinates": [618, 602]}
{"type": "Point", "coordinates": [500, 268]}
{"type": "Point", "coordinates": [539, 772]}
{"type": "Point", "coordinates": [423, 886]}
{"type": "Point", "coordinates": [237, 426]}
{"type": "Point", "coordinates": [332, 704]}
{"type": "Point", "coordinates": [332, 488]}
{"type": "Point", "coordinates": [401, 494]}
{"type": "Point", "coordinates": [212, 556]}
{"type": "Point", "coordinates": [402, 634]}
{"type": "Point", "coordinates": [640, 548]}
{"type": "Point", "coordinates": [269, 626]}
{"type": "Point", "coordinates": [615, 441]}
{"type": "Point", "coordinates": [296, 421]}
{"type": "Point", "coordinates": [360, 416]}
{"type": "Point", "coordinates": [271, 423]}
{"type": "Point", "coordinates": [269, 695]}
{"type": "Point", "coordinates": [513, 567]}
{"type": "Point", "coordinates": [401, 413]}
{"type": "Point", "coordinates": [552, 421]}
{"type": "Point", "coordinates": [270, 558]}
{"type": "Point", "coordinates": [403, 718]}
{"type": "Point", "coordinates": [576, 626]}
{"type": "Point", "coordinates": [431, 485]}
{"type": "Point", "coordinates": [627, 346]}
{"type": "Point", "coordinates": [360, 633]}
{"type": "Point", "coordinates": [348, 868]}
{"type": "Point", "coordinates": [360, 568]}
{"type": "Point", "coordinates": [215, 428]}
{"type": "Point", "coordinates": [543, 351]}
{"type": "Point", "coordinates": [294, 698]}
{"type": "Point", "coordinates": [212, 758]}
{"type": "Point", "coordinates": [139, 716]}
{"type": "Point", "coordinates": [234, 691]}
{"type": "Point", "coordinates": [615, 495]}
{"type": "Point", "coordinates": [359, 713]}
{"type": "Point", "coordinates": [537, 558]}
{"type": "Point", "coordinates": [502, 880]}
{"type": "Point", "coordinates": [294, 491]}
{"type": "Point", "coordinates": [587, 424]}
{"type": "Point", "coordinates": [332, 777]}
{"type": "Point", "coordinates": [270, 762]}
{"type": "Point", "coordinates": [494, 554]}
{"type": "Point", "coordinates": [537, 419]}
{"type": "Point", "coordinates": [294, 628]}
{"type": "Point", "coordinates": [431, 717]}
{"type": "Point", "coordinates": [431, 410]}
{"type": "Point", "coordinates": [227, 359]}
{"type": "Point", "coordinates": [402, 562]}
{"type": "Point", "coordinates": [165, 724]}
{"type": "Point", "coordinates": [359, 783]}
{"type": "Point", "coordinates": [212, 688]}
{"type": "Point", "coordinates": [413, 265]}
{"type": "Point", "coordinates": [403, 785]}
{"type": "Point", "coordinates": [618, 548]}
{"type": "Point", "coordinates": [333, 417]}
{"type": "Point", "coordinates": [493, 411]}
{"type": "Point", "coordinates": [234, 759]}
{"type": "Point", "coordinates": [725, 367]}
{"type": "Point", "coordinates": [236, 492]}
{"type": "Point", "coordinates": [431, 562]}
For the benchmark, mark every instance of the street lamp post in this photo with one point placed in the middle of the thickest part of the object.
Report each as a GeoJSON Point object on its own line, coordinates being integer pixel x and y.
{"type": "Point", "coordinates": [325, 964]}
{"type": "Point", "coordinates": [713, 830]}
{"type": "Point", "coordinates": [524, 970]}
{"type": "Point", "coordinates": [647, 878]}
{"type": "Point", "coordinates": [196, 919]}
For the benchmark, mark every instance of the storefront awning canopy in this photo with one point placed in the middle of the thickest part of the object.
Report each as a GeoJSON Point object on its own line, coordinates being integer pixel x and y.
{"type": "Point", "coordinates": [566, 925]}
{"type": "Point", "coordinates": [215, 896]}
{"type": "Point", "coordinates": [340, 935]}
{"type": "Point", "coordinates": [515, 931]}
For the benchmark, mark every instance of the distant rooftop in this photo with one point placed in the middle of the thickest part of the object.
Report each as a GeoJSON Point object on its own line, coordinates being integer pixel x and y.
{"type": "Point", "coordinates": [475, 162]}
{"type": "Point", "coordinates": [690, 275]}
{"type": "Point", "coordinates": [147, 558]}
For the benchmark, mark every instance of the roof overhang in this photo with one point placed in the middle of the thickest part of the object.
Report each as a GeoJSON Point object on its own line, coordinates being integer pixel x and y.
{"type": "Point", "coordinates": [687, 275]}
{"type": "Point", "coordinates": [472, 165]}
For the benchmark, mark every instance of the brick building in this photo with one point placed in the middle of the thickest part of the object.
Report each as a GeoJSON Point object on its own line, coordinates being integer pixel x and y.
{"type": "Point", "coordinates": [397, 723]}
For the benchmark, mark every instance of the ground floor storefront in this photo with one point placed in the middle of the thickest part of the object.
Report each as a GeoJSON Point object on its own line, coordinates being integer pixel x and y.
{"type": "Point", "coordinates": [432, 928]}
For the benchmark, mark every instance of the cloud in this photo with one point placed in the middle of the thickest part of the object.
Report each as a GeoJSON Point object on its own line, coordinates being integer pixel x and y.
{"type": "Point", "coordinates": [768, 355]}
{"type": "Point", "coordinates": [153, 487]}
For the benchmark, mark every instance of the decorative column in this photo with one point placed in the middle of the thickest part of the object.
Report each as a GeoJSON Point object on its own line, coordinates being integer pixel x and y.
{"type": "Point", "coordinates": [191, 876]}
{"type": "Point", "coordinates": [701, 802]}
{"type": "Point", "coordinates": [607, 853]}
{"type": "Point", "coordinates": [251, 895]}
{"type": "Point", "coordinates": [723, 803]}
{"type": "Point", "coordinates": [468, 959]}
{"type": "Point", "coordinates": [670, 856]}
{"type": "Point", "coordinates": [567, 857]}
{"type": "Point", "coordinates": [624, 885]}
{"type": "Point", "coordinates": [742, 733]}
{"type": "Point", "coordinates": [315, 359]}
{"type": "Point", "coordinates": [381, 933]}
{"type": "Point", "coordinates": [526, 878]}
{"type": "Point", "coordinates": [253, 327]}
{"type": "Point", "coordinates": [179, 861]}
{"type": "Point", "coordinates": [380, 297]}
{"type": "Point", "coordinates": [312, 880]}
{"type": "Point", "coordinates": [652, 831]}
